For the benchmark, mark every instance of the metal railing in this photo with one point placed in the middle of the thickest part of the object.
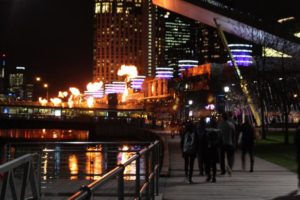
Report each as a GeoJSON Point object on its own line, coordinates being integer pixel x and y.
{"type": "Point", "coordinates": [148, 189]}
{"type": "Point", "coordinates": [29, 174]}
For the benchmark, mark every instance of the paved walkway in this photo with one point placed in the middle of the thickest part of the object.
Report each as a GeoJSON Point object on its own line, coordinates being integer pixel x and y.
{"type": "Point", "coordinates": [268, 181]}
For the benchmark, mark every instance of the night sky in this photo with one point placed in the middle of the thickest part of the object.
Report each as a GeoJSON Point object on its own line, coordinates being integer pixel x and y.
{"type": "Point", "coordinates": [52, 37]}
{"type": "Point", "coordinates": [55, 37]}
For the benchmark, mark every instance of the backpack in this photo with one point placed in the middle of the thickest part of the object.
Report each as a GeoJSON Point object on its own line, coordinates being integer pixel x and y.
{"type": "Point", "coordinates": [189, 143]}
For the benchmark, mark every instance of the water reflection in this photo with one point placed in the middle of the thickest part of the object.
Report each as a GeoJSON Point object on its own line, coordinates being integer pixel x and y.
{"type": "Point", "coordinates": [78, 161]}
{"type": "Point", "coordinates": [94, 162]}
{"type": "Point", "coordinates": [49, 134]}
{"type": "Point", "coordinates": [125, 154]}
{"type": "Point", "coordinates": [73, 166]}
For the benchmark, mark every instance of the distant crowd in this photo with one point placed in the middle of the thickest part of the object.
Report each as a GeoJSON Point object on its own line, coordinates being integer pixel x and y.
{"type": "Point", "coordinates": [214, 140]}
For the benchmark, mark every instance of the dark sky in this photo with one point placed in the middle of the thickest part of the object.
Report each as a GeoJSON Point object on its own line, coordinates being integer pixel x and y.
{"type": "Point", "coordinates": [54, 37]}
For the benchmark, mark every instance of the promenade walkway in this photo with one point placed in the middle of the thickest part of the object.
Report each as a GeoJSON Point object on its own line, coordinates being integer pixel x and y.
{"type": "Point", "coordinates": [268, 181]}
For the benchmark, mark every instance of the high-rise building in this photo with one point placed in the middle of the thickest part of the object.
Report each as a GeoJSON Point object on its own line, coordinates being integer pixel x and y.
{"type": "Point", "coordinates": [180, 38]}
{"type": "Point", "coordinates": [2, 73]}
{"type": "Point", "coordinates": [210, 47]}
{"type": "Point", "coordinates": [123, 35]}
{"type": "Point", "coordinates": [175, 39]}
{"type": "Point", "coordinates": [17, 83]}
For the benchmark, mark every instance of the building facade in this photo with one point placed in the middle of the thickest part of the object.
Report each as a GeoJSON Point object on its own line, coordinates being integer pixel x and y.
{"type": "Point", "coordinates": [122, 35]}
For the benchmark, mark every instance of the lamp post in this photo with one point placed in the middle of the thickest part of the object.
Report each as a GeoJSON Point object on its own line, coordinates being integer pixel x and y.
{"type": "Point", "coordinates": [46, 86]}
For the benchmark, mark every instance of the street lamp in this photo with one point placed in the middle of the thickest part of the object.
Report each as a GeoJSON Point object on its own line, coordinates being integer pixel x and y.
{"type": "Point", "coordinates": [226, 89]}
{"type": "Point", "coordinates": [46, 86]}
{"type": "Point", "coordinates": [38, 79]}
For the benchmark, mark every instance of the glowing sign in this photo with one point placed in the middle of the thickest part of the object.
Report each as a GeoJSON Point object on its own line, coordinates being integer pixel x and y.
{"type": "Point", "coordinates": [241, 54]}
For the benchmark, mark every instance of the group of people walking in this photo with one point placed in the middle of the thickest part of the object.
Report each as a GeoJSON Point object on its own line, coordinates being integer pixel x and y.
{"type": "Point", "coordinates": [214, 141]}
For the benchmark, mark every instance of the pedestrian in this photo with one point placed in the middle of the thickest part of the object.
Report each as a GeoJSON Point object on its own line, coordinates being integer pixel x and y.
{"type": "Point", "coordinates": [201, 145]}
{"type": "Point", "coordinates": [297, 142]}
{"type": "Point", "coordinates": [173, 128]}
{"type": "Point", "coordinates": [189, 145]}
{"type": "Point", "coordinates": [211, 151]}
{"type": "Point", "coordinates": [227, 134]}
{"type": "Point", "coordinates": [246, 143]}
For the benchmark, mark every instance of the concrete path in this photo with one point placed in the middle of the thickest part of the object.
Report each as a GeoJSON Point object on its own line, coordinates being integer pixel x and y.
{"type": "Point", "coordinates": [268, 181]}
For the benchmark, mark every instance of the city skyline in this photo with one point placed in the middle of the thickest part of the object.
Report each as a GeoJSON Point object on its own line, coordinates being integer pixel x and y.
{"type": "Point", "coordinates": [55, 38]}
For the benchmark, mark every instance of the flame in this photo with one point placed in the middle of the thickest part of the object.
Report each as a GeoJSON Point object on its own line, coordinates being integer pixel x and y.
{"type": "Point", "coordinates": [62, 94]}
{"type": "Point", "coordinates": [75, 91]}
{"type": "Point", "coordinates": [90, 102]}
{"type": "Point", "coordinates": [129, 70]}
{"type": "Point", "coordinates": [93, 87]}
{"type": "Point", "coordinates": [125, 94]}
{"type": "Point", "coordinates": [71, 102]}
{"type": "Point", "coordinates": [56, 101]}
{"type": "Point", "coordinates": [42, 101]}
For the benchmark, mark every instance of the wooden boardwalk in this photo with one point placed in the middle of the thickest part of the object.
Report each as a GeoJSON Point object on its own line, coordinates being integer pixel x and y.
{"type": "Point", "coordinates": [268, 181]}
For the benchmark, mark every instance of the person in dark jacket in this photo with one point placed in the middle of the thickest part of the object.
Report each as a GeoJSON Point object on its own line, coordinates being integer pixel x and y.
{"type": "Point", "coordinates": [247, 141]}
{"type": "Point", "coordinates": [227, 134]}
{"type": "Point", "coordinates": [211, 151]}
{"type": "Point", "coordinates": [200, 152]}
{"type": "Point", "coordinates": [189, 145]}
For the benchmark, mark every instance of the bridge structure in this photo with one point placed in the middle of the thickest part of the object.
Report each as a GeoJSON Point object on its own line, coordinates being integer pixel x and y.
{"type": "Point", "coordinates": [101, 121]}
{"type": "Point", "coordinates": [233, 22]}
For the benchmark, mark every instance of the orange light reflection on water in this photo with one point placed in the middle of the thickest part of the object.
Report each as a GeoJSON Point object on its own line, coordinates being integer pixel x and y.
{"type": "Point", "coordinates": [73, 167]}
{"type": "Point", "coordinates": [122, 158]}
{"type": "Point", "coordinates": [56, 134]}
{"type": "Point", "coordinates": [94, 162]}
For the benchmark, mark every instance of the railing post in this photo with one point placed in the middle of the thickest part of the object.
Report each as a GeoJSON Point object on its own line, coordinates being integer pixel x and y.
{"type": "Point", "coordinates": [157, 155]}
{"type": "Point", "coordinates": [121, 183]}
{"type": "Point", "coordinates": [88, 190]}
{"type": "Point", "coordinates": [137, 176]}
{"type": "Point", "coordinates": [147, 174]}
{"type": "Point", "coordinates": [152, 181]}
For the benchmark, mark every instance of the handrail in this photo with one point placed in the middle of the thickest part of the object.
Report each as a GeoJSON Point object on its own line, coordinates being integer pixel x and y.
{"type": "Point", "coordinates": [30, 174]}
{"type": "Point", "coordinates": [87, 191]}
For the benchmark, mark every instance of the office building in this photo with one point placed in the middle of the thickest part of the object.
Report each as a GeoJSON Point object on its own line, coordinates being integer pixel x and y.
{"type": "Point", "coordinates": [2, 73]}
{"type": "Point", "coordinates": [16, 88]}
{"type": "Point", "coordinates": [122, 35]}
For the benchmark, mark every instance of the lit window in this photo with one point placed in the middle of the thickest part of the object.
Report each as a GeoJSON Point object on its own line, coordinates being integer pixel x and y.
{"type": "Point", "coordinates": [119, 10]}
{"type": "Point", "coordinates": [97, 8]}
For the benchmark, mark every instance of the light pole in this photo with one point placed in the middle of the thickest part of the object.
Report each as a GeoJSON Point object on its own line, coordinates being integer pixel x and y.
{"type": "Point", "coordinates": [46, 86]}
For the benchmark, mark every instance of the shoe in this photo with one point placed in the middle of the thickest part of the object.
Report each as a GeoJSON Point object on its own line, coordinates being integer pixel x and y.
{"type": "Point", "coordinates": [208, 179]}
{"type": "Point", "coordinates": [190, 182]}
{"type": "Point", "coordinates": [214, 180]}
{"type": "Point", "coordinates": [186, 180]}
{"type": "Point", "coordinates": [229, 170]}
{"type": "Point", "coordinates": [222, 173]}
{"type": "Point", "coordinates": [251, 170]}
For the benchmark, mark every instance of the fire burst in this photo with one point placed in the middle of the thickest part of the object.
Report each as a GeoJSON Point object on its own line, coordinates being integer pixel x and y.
{"type": "Point", "coordinates": [130, 72]}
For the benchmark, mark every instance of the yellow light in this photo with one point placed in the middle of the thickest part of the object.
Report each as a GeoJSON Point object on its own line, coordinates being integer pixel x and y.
{"type": "Point", "coordinates": [297, 34]}
{"type": "Point", "coordinates": [46, 85]}
{"type": "Point", "coordinates": [38, 79]}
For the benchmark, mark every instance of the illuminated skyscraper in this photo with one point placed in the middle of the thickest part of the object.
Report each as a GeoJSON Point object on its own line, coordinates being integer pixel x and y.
{"type": "Point", "coordinates": [123, 35]}
{"type": "Point", "coordinates": [2, 73]}
{"type": "Point", "coordinates": [175, 39]}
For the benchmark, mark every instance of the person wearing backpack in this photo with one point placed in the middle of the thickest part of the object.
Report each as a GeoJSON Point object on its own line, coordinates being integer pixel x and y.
{"type": "Point", "coordinates": [189, 146]}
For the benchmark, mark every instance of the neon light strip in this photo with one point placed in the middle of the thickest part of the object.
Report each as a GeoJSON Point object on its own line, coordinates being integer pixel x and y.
{"type": "Point", "coordinates": [191, 61]}
{"type": "Point", "coordinates": [164, 72]}
{"type": "Point", "coordinates": [241, 50]}
{"type": "Point", "coordinates": [239, 45]}
{"type": "Point", "coordinates": [164, 68]}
